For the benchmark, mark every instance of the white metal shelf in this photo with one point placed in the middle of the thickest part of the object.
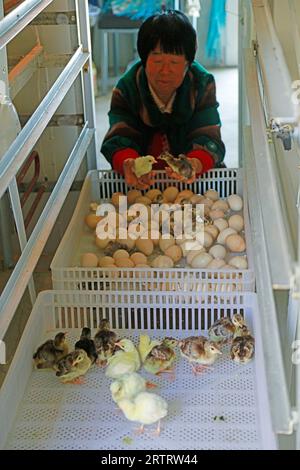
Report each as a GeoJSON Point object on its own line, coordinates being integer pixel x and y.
{"type": "Point", "coordinates": [80, 64]}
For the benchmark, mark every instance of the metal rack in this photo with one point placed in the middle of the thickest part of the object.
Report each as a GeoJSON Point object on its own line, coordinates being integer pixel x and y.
{"type": "Point", "coordinates": [80, 64]}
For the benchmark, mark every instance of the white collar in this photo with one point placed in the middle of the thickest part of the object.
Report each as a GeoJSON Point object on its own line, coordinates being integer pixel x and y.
{"type": "Point", "coordinates": [164, 108]}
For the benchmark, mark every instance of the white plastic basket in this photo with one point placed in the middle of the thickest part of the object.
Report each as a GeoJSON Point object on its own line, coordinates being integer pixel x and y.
{"type": "Point", "coordinates": [39, 412]}
{"type": "Point", "coordinates": [67, 275]}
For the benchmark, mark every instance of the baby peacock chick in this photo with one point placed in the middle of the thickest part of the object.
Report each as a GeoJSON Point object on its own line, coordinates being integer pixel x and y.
{"type": "Point", "coordinates": [87, 344]}
{"type": "Point", "coordinates": [243, 346]}
{"type": "Point", "coordinates": [145, 408]}
{"type": "Point", "coordinates": [123, 362]}
{"type": "Point", "coordinates": [127, 386]}
{"type": "Point", "coordinates": [180, 164]}
{"type": "Point", "coordinates": [105, 341]}
{"type": "Point", "coordinates": [222, 331]}
{"type": "Point", "coordinates": [72, 367]}
{"type": "Point", "coordinates": [157, 356]}
{"type": "Point", "coordinates": [51, 351]}
{"type": "Point", "coordinates": [143, 165]}
{"type": "Point", "coordinates": [200, 350]}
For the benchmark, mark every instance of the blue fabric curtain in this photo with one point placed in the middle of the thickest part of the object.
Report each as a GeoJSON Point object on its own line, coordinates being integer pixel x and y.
{"type": "Point", "coordinates": [216, 24]}
{"type": "Point", "coordinates": [136, 9]}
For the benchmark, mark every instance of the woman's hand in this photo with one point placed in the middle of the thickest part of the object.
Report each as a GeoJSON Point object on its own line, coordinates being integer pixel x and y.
{"type": "Point", "coordinates": [144, 182]}
{"type": "Point", "coordinates": [197, 166]}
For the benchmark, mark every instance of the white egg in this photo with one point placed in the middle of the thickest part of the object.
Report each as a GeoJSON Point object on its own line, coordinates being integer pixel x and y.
{"type": "Point", "coordinates": [235, 202]}
{"type": "Point", "coordinates": [224, 234]}
{"type": "Point", "coordinates": [239, 262]}
{"type": "Point", "coordinates": [218, 251]}
{"type": "Point", "coordinates": [191, 254]}
{"type": "Point", "coordinates": [221, 224]}
{"type": "Point", "coordinates": [236, 222]}
{"type": "Point", "coordinates": [207, 240]}
{"type": "Point", "coordinates": [201, 260]}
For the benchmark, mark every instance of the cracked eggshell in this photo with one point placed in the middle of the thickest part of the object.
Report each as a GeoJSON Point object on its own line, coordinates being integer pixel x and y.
{"type": "Point", "coordinates": [235, 202]}
{"type": "Point", "coordinates": [224, 234]}
{"type": "Point", "coordinates": [201, 261]}
{"type": "Point", "coordinates": [152, 194]}
{"type": "Point", "coordinates": [236, 222]}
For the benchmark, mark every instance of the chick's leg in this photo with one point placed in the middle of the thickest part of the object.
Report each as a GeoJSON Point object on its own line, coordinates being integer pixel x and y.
{"type": "Point", "coordinates": [157, 430]}
{"type": "Point", "coordinates": [170, 371]}
{"type": "Point", "coordinates": [199, 368]}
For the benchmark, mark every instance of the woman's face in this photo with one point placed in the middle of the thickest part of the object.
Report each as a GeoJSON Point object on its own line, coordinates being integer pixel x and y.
{"type": "Point", "coordinates": [165, 72]}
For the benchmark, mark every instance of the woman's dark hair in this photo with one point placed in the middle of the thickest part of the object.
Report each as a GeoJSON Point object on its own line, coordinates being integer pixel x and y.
{"type": "Point", "coordinates": [172, 30]}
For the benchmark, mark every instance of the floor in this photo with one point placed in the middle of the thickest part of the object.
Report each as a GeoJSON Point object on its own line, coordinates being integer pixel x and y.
{"type": "Point", "coordinates": [227, 95]}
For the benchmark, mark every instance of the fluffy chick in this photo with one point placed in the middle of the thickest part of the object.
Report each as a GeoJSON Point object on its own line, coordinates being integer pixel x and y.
{"type": "Point", "coordinates": [123, 362]}
{"type": "Point", "coordinates": [87, 344]}
{"type": "Point", "coordinates": [143, 165]}
{"type": "Point", "coordinates": [159, 356]}
{"type": "Point", "coordinates": [77, 366]}
{"type": "Point", "coordinates": [51, 351]}
{"type": "Point", "coordinates": [105, 341]}
{"type": "Point", "coordinates": [145, 408]}
{"type": "Point", "coordinates": [180, 164]}
{"type": "Point", "coordinates": [127, 386]}
{"type": "Point", "coordinates": [243, 346]}
{"type": "Point", "coordinates": [200, 350]}
{"type": "Point", "coordinates": [223, 329]}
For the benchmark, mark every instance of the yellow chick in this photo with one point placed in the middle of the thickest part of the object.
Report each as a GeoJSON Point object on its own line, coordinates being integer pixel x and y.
{"type": "Point", "coordinates": [51, 351]}
{"type": "Point", "coordinates": [145, 408]}
{"type": "Point", "coordinates": [222, 331]}
{"type": "Point", "coordinates": [123, 362]}
{"type": "Point", "coordinates": [200, 350]}
{"type": "Point", "coordinates": [127, 386]}
{"type": "Point", "coordinates": [243, 346]}
{"type": "Point", "coordinates": [143, 165]}
{"type": "Point", "coordinates": [105, 341]}
{"type": "Point", "coordinates": [157, 356]}
{"type": "Point", "coordinates": [74, 367]}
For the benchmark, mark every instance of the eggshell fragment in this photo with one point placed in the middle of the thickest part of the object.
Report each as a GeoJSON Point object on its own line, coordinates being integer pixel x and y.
{"type": "Point", "coordinates": [239, 262]}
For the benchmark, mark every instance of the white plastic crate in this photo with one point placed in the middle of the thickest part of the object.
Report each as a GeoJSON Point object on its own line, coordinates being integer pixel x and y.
{"type": "Point", "coordinates": [67, 275]}
{"type": "Point", "coordinates": [39, 412]}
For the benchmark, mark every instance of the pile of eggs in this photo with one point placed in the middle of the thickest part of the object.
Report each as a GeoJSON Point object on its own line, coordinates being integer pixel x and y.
{"type": "Point", "coordinates": [223, 244]}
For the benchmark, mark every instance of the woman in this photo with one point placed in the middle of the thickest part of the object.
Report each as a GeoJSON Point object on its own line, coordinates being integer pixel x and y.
{"type": "Point", "coordinates": [165, 102]}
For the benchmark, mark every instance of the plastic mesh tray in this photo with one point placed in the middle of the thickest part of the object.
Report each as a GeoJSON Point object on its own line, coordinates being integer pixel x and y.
{"type": "Point", "coordinates": [38, 412]}
{"type": "Point", "coordinates": [66, 275]}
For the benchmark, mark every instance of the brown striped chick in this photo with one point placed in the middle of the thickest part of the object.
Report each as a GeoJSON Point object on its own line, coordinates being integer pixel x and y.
{"type": "Point", "coordinates": [222, 331]}
{"type": "Point", "coordinates": [51, 351]}
{"type": "Point", "coordinates": [179, 165]}
{"type": "Point", "coordinates": [243, 346]}
{"type": "Point", "coordinates": [199, 350]}
{"type": "Point", "coordinates": [105, 342]}
{"type": "Point", "coordinates": [74, 367]}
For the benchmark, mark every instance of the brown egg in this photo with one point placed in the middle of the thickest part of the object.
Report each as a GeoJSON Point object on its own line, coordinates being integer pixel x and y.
{"type": "Point", "coordinates": [165, 243]}
{"type": "Point", "coordinates": [138, 258]}
{"type": "Point", "coordinates": [212, 230]}
{"type": "Point", "coordinates": [220, 206]}
{"type": "Point", "coordinates": [145, 246]}
{"type": "Point", "coordinates": [212, 194]}
{"type": "Point", "coordinates": [89, 260]}
{"type": "Point", "coordinates": [186, 193]}
{"type": "Point", "coordinates": [124, 263]}
{"type": "Point", "coordinates": [102, 242]}
{"type": "Point", "coordinates": [174, 252]}
{"type": "Point", "coordinates": [216, 214]}
{"type": "Point", "coordinates": [128, 242]}
{"type": "Point", "coordinates": [106, 261]}
{"type": "Point", "coordinates": [120, 254]}
{"type": "Point", "coordinates": [132, 195]}
{"type": "Point", "coordinates": [170, 193]}
{"type": "Point", "coordinates": [197, 199]}
{"type": "Point", "coordinates": [115, 199]}
{"type": "Point", "coordinates": [92, 220]}
{"type": "Point", "coordinates": [153, 194]}
{"type": "Point", "coordinates": [143, 200]}
{"type": "Point", "coordinates": [235, 243]}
